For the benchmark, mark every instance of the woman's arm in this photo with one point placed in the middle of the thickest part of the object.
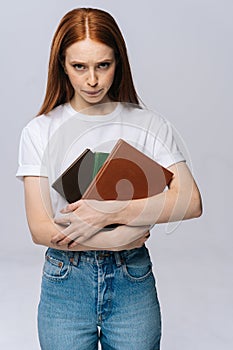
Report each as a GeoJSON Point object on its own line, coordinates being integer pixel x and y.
{"type": "Point", "coordinates": [181, 201]}
{"type": "Point", "coordinates": [43, 228]}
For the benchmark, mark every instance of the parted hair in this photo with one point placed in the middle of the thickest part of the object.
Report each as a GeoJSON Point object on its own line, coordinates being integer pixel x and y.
{"type": "Point", "coordinates": [99, 26]}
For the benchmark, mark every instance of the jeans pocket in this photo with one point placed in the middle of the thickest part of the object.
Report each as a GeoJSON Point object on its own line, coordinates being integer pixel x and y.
{"type": "Point", "coordinates": [137, 274]}
{"type": "Point", "coordinates": [137, 266]}
{"type": "Point", "coordinates": [55, 268]}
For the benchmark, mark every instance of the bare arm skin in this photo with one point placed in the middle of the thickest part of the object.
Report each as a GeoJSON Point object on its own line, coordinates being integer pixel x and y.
{"type": "Point", "coordinates": [181, 201]}
{"type": "Point", "coordinates": [43, 228]}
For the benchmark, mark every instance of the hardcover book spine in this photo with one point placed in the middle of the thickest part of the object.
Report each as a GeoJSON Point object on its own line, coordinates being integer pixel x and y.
{"type": "Point", "coordinates": [102, 169]}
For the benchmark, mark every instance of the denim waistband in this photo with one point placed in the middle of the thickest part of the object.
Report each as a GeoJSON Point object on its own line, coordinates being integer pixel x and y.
{"type": "Point", "coordinates": [95, 256]}
{"type": "Point", "coordinates": [98, 257]}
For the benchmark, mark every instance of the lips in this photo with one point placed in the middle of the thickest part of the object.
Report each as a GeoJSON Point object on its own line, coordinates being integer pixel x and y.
{"type": "Point", "coordinates": [93, 93]}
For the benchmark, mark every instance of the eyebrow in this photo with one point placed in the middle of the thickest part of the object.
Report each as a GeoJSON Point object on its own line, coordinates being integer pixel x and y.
{"type": "Point", "coordinates": [81, 62]}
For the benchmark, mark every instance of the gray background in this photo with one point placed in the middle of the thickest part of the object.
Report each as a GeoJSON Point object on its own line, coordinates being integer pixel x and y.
{"type": "Point", "coordinates": [181, 55]}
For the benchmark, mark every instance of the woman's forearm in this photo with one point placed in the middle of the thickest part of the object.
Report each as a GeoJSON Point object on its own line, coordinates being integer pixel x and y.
{"type": "Point", "coordinates": [114, 239]}
{"type": "Point", "coordinates": [43, 232]}
{"type": "Point", "coordinates": [165, 207]}
{"type": "Point", "coordinates": [181, 201]}
{"type": "Point", "coordinates": [123, 237]}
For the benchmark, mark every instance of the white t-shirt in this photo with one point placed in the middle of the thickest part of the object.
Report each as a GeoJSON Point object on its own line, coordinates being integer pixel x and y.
{"type": "Point", "coordinates": [50, 143]}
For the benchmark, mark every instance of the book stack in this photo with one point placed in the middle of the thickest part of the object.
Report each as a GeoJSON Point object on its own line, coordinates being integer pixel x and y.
{"type": "Point", "coordinates": [124, 174]}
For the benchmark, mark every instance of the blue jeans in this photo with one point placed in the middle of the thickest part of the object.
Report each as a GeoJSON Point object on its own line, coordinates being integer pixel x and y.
{"type": "Point", "coordinates": [102, 296]}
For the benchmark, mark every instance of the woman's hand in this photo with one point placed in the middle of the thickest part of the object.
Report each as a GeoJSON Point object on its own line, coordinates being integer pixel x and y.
{"type": "Point", "coordinates": [133, 245]}
{"type": "Point", "coordinates": [87, 219]}
{"type": "Point", "coordinates": [83, 220]}
{"type": "Point", "coordinates": [121, 238]}
{"type": "Point", "coordinates": [70, 207]}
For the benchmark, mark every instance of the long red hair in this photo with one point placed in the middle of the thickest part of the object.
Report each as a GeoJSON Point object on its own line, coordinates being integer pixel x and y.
{"type": "Point", "coordinates": [73, 27]}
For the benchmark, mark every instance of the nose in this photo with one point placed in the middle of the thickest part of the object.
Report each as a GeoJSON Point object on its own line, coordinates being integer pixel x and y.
{"type": "Point", "coordinates": [92, 78]}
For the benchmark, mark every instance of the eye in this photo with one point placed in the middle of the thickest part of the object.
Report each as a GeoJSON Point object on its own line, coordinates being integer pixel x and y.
{"type": "Point", "coordinates": [104, 65]}
{"type": "Point", "coordinates": [78, 66]}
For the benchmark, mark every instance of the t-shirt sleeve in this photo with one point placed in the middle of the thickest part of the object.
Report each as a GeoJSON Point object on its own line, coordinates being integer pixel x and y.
{"type": "Point", "coordinates": [166, 149]}
{"type": "Point", "coordinates": [30, 155]}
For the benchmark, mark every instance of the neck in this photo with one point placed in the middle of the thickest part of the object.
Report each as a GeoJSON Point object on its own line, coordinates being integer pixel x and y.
{"type": "Point", "coordinates": [106, 107]}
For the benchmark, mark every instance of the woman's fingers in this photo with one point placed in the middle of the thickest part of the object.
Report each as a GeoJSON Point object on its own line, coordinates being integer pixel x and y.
{"type": "Point", "coordinates": [72, 244]}
{"type": "Point", "coordinates": [63, 220]}
{"type": "Point", "coordinates": [65, 237]}
{"type": "Point", "coordinates": [70, 207]}
{"type": "Point", "coordinates": [60, 239]}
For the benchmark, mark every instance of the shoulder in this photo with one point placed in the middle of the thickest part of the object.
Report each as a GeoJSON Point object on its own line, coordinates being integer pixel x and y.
{"type": "Point", "coordinates": [143, 116]}
{"type": "Point", "coordinates": [43, 121]}
{"type": "Point", "coordinates": [45, 125]}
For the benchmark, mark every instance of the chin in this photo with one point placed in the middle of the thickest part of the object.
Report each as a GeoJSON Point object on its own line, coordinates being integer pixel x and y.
{"type": "Point", "coordinates": [96, 100]}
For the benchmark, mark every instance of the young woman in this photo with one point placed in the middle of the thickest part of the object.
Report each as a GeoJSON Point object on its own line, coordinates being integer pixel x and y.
{"type": "Point", "coordinates": [97, 285]}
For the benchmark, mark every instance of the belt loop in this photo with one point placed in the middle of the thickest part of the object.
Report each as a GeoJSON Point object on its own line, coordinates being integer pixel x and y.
{"type": "Point", "coordinates": [74, 259]}
{"type": "Point", "coordinates": [118, 259]}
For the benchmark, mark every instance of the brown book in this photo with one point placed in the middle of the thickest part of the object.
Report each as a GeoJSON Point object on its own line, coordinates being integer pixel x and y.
{"type": "Point", "coordinates": [126, 174]}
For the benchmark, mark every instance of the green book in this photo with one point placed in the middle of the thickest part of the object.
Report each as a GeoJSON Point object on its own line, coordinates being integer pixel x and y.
{"type": "Point", "coordinates": [99, 159]}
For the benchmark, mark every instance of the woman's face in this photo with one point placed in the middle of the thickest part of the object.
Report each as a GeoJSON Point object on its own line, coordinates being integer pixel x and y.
{"type": "Point", "coordinates": [90, 66]}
